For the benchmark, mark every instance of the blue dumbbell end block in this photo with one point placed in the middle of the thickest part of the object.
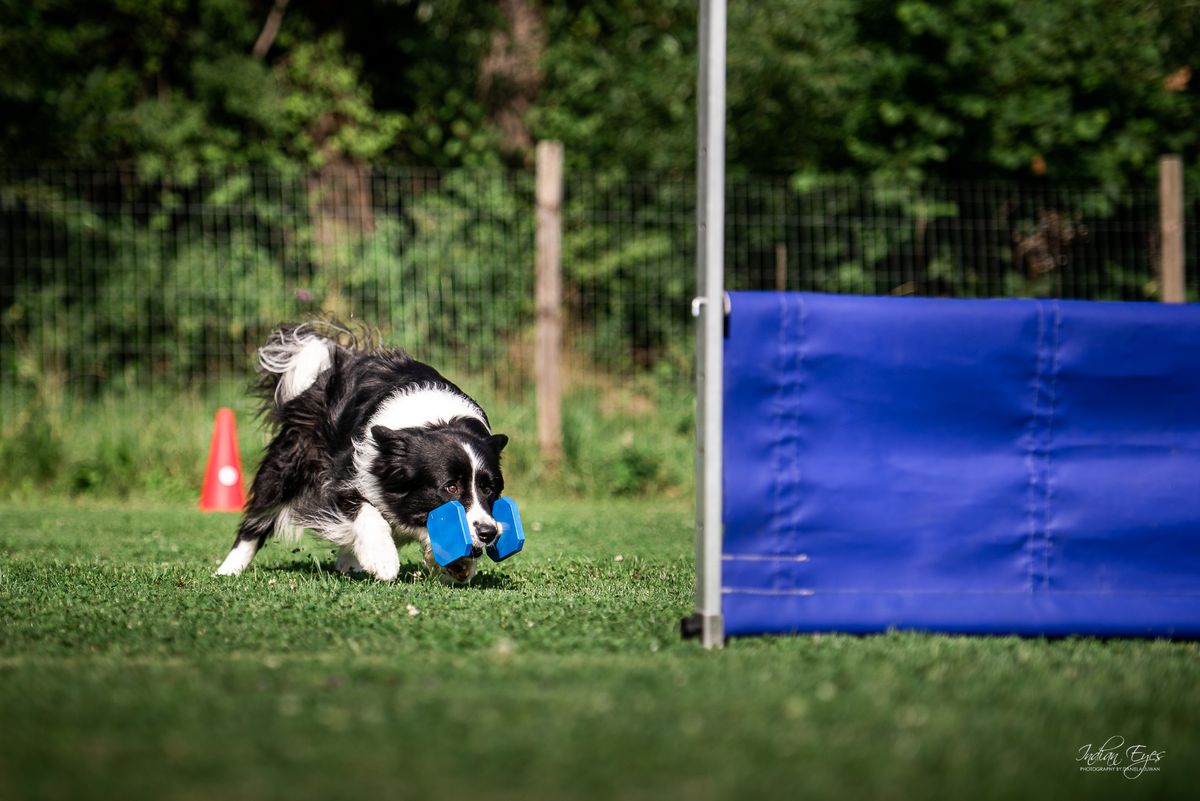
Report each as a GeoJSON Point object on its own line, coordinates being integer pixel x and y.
{"type": "Point", "coordinates": [449, 533]}
{"type": "Point", "coordinates": [512, 534]}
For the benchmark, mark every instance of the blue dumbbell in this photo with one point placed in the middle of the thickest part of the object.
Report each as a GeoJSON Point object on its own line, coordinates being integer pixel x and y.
{"type": "Point", "coordinates": [450, 533]}
{"type": "Point", "coordinates": [512, 534]}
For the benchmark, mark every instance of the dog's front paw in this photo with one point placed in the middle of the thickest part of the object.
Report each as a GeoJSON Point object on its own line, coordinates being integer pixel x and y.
{"type": "Point", "coordinates": [455, 573]}
{"type": "Point", "coordinates": [381, 561]}
{"type": "Point", "coordinates": [431, 565]}
{"type": "Point", "coordinates": [460, 572]}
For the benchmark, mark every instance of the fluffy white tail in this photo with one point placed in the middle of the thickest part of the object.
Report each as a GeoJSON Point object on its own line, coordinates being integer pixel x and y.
{"type": "Point", "coordinates": [297, 356]}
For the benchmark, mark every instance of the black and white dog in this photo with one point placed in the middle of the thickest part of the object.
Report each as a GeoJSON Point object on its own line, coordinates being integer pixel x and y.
{"type": "Point", "coordinates": [368, 441]}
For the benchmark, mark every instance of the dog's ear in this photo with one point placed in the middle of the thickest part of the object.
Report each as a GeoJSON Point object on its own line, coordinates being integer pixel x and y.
{"type": "Point", "coordinates": [392, 464]}
{"type": "Point", "coordinates": [390, 440]}
{"type": "Point", "coordinates": [499, 441]}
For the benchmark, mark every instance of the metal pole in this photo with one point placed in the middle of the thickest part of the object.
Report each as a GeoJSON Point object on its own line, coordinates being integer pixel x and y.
{"type": "Point", "coordinates": [710, 309]}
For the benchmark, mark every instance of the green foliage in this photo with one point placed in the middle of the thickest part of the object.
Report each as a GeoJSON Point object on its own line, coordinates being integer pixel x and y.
{"type": "Point", "coordinates": [979, 88]}
{"type": "Point", "coordinates": [151, 81]}
{"type": "Point", "coordinates": [148, 445]}
{"type": "Point", "coordinates": [912, 89]}
{"type": "Point", "coordinates": [174, 279]}
{"type": "Point", "coordinates": [244, 195]}
{"type": "Point", "coordinates": [176, 83]}
{"type": "Point", "coordinates": [628, 263]}
{"type": "Point", "coordinates": [463, 270]}
{"type": "Point", "coordinates": [629, 443]}
{"type": "Point", "coordinates": [31, 453]}
{"type": "Point", "coordinates": [327, 108]}
{"type": "Point", "coordinates": [620, 440]}
{"type": "Point", "coordinates": [423, 59]}
{"type": "Point", "coordinates": [620, 84]}
{"type": "Point", "coordinates": [181, 273]}
{"type": "Point", "coordinates": [1080, 89]}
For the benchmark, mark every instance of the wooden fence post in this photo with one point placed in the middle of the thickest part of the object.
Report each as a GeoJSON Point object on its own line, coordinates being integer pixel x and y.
{"type": "Point", "coordinates": [548, 298]}
{"type": "Point", "coordinates": [1170, 220]}
{"type": "Point", "coordinates": [780, 267]}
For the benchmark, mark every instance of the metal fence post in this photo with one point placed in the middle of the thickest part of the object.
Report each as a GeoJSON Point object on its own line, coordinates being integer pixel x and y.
{"type": "Point", "coordinates": [548, 299]}
{"type": "Point", "coordinates": [709, 307]}
{"type": "Point", "coordinates": [1170, 220]}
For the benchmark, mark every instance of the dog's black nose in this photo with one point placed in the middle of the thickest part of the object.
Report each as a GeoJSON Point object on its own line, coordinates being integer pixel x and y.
{"type": "Point", "coordinates": [487, 532]}
{"type": "Point", "coordinates": [476, 552]}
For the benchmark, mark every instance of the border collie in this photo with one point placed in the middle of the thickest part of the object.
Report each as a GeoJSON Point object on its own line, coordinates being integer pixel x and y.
{"type": "Point", "coordinates": [368, 441]}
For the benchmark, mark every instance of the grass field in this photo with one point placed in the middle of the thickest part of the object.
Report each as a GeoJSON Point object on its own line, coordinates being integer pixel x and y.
{"type": "Point", "coordinates": [128, 671]}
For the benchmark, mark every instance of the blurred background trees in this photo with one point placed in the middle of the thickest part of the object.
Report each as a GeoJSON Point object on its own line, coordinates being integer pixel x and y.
{"type": "Point", "coordinates": [177, 176]}
{"type": "Point", "coordinates": [1077, 89]}
{"type": "Point", "coordinates": [247, 143]}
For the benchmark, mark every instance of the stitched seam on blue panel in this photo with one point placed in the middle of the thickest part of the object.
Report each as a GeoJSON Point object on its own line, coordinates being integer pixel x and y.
{"type": "Point", "coordinates": [1048, 490]}
{"type": "Point", "coordinates": [779, 408]}
{"type": "Point", "coordinates": [755, 591]}
{"type": "Point", "coordinates": [1031, 450]}
{"type": "Point", "coordinates": [761, 557]}
{"type": "Point", "coordinates": [791, 471]}
{"type": "Point", "coordinates": [797, 419]}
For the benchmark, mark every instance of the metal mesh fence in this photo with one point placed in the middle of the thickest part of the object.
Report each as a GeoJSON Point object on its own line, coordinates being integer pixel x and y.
{"type": "Point", "coordinates": [958, 240]}
{"type": "Point", "coordinates": [115, 281]}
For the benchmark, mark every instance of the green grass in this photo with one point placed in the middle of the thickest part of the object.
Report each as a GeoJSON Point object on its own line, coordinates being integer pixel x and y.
{"type": "Point", "coordinates": [128, 671]}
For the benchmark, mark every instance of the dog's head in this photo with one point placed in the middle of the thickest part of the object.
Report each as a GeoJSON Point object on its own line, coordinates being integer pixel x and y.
{"type": "Point", "coordinates": [419, 469]}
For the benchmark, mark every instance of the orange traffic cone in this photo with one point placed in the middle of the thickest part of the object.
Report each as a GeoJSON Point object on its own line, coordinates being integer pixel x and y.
{"type": "Point", "coordinates": [222, 491]}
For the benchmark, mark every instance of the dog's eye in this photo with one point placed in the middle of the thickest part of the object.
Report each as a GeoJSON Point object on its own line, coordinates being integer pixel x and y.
{"type": "Point", "coordinates": [452, 488]}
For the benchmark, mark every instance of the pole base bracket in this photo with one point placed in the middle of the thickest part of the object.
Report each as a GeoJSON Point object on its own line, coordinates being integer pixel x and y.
{"type": "Point", "coordinates": [709, 629]}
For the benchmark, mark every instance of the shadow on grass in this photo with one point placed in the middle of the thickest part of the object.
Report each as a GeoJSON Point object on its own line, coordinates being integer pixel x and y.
{"type": "Point", "coordinates": [410, 573]}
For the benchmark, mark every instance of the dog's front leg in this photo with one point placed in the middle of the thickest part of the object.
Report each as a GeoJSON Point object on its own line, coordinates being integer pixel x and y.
{"type": "Point", "coordinates": [460, 572]}
{"type": "Point", "coordinates": [372, 544]}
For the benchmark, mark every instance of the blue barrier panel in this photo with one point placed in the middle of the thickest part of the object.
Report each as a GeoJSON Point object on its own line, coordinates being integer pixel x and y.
{"type": "Point", "coordinates": [975, 466]}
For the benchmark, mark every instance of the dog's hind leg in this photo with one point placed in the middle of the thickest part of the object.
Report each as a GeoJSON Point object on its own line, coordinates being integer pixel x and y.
{"type": "Point", "coordinates": [256, 526]}
{"type": "Point", "coordinates": [266, 511]}
{"type": "Point", "coordinates": [273, 495]}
